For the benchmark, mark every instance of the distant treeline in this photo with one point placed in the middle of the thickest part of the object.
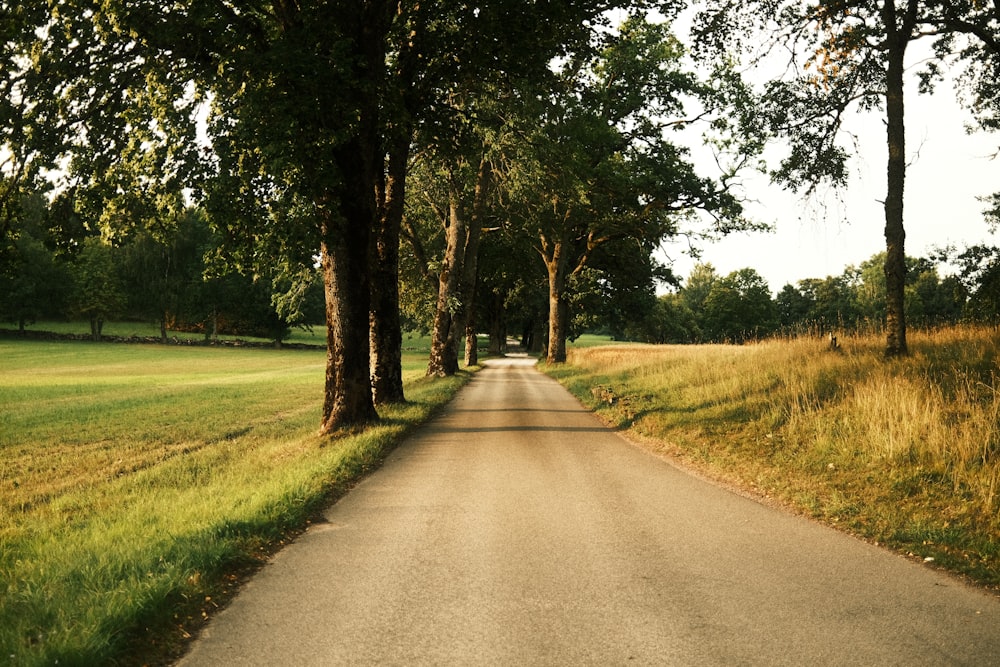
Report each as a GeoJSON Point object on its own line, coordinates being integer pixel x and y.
{"type": "Point", "coordinates": [165, 276]}
{"type": "Point", "coordinates": [740, 306]}
{"type": "Point", "coordinates": [170, 273]}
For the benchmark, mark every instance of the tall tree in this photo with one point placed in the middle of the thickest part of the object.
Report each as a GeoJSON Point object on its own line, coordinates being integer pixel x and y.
{"type": "Point", "coordinates": [845, 53]}
{"type": "Point", "coordinates": [599, 165]}
{"type": "Point", "coordinates": [463, 221]}
{"type": "Point", "coordinates": [301, 115]}
{"type": "Point", "coordinates": [738, 308]}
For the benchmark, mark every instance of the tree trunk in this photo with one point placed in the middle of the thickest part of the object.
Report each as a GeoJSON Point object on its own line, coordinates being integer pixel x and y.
{"type": "Point", "coordinates": [347, 392]}
{"type": "Point", "coordinates": [470, 268]}
{"type": "Point", "coordinates": [558, 307]}
{"type": "Point", "coordinates": [471, 343]}
{"type": "Point", "coordinates": [163, 328]}
{"type": "Point", "coordinates": [498, 327]}
{"type": "Point", "coordinates": [895, 234]}
{"type": "Point", "coordinates": [456, 283]}
{"type": "Point", "coordinates": [385, 326]}
{"type": "Point", "coordinates": [444, 346]}
{"type": "Point", "coordinates": [348, 217]}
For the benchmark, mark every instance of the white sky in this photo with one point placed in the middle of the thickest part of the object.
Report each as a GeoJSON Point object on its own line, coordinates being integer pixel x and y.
{"type": "Point", "coordinates": [948, 169]}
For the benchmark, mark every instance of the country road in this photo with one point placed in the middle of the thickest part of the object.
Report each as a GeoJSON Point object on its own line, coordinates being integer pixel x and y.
{"type": "Point", "coordinates": [515, 529]}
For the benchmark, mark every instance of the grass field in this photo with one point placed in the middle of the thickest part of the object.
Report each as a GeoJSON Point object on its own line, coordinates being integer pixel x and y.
{"type": "Point", "coordinates": [903, 452]}
{"type": "Point", "coordinates": [313, 336]}
{"type": "Point", "coordinates": [137, 481]}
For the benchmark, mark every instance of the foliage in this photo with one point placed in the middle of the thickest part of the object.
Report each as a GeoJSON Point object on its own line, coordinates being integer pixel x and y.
{"type": "Point", "coordinates": [601, 163]}
{"type": "Point", "coordinates": [852, 53]}
{"type": "Point", "coordinates": [98, 291]}
{"type": "Point", "coordinates": [738, 308]}
{"type": "Point", "coordinates": [33, 282]}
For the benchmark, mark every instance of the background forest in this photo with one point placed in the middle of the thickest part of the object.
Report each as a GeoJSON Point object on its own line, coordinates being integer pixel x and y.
{"type": "Point", "coordinates": [55, 270]}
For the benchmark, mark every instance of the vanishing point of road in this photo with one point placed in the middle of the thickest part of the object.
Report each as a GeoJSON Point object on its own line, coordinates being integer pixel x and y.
{"type": "Point", "coordinates": [515, 529]}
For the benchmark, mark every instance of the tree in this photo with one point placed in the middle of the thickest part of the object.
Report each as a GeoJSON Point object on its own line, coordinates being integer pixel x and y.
{"type": "Point", "coordinates": [598, 165]}
{"type": "Point", "coordinates": [698, 286]}
{"type": "Point", "coordinates": [793, 306]}
{"type": "Point", "coordinates": [163, 263]}
{"type": "Point", "coordinates": [463, 221]}
{"type": "Point", "coordinates": [301, 117]}
{"type": "Point", "coordinates": [671, 321]}
{"type": "Point", "coordinates": [843, 53]}
{"type": "Point", "coordinates": [98, 293]}
{"type": "Point", "coordinates": [979, 273]}
{"type": "Point", "coordinates": [738, 308]}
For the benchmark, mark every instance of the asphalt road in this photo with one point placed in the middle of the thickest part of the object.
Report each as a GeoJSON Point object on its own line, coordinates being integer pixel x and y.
{"type": "Point", "coordinates": [516, 530]}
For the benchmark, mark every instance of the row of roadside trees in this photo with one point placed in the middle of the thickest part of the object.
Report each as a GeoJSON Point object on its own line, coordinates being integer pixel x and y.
{"type": "Point", "coordinates": [326, 132]}
{"type": "Point", "coordinates": [171, 279]}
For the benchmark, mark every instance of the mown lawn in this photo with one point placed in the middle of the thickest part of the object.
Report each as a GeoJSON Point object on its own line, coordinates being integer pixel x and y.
{"type": "Point", "coordinates": [137, 482]}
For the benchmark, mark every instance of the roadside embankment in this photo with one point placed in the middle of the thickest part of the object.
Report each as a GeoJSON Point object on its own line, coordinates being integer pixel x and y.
{"type": "Point", "coordinates": [901, 452]}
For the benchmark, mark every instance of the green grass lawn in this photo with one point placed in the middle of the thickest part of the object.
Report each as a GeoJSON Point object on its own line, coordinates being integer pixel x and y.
{"type": "Point", "coordinates": [135, 480]}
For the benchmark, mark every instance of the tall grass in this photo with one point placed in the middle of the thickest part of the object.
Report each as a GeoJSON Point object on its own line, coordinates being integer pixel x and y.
{"type": "Point", "coordinates": [902, 451]}
{"type": "Point", "coordinates": [135, 480]}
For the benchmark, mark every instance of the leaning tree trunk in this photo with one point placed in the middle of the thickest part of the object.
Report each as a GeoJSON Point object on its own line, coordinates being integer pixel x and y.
{"type": "Point", "coordinates": [895, 234]}
{"type": "Point", "coordinates": [446, 331]}
{"type": "Point", "coordinates": [470, 267]}
{"type": "Point", "coordinates": [386, 330]}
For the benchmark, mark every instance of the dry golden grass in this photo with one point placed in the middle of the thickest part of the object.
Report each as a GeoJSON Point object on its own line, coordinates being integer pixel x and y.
{"type": "Point", "coordinates": [902, 451]}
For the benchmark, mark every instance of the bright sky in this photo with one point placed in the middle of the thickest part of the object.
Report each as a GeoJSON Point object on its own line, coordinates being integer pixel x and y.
{"type": "Point", "coordinates": [948, 169]}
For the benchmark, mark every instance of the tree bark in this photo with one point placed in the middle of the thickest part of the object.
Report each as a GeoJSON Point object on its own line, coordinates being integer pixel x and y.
{"type": "Point", "coordinates": [456, 283]}
{"type": "Point", "coordinates": [347, 392]}
{"type": "Point", "coordinates": [386, 330]}
{"type": "Point", "coordinates": [471, 343]}
{"type": "Point", "coordinates": [895, 234]}
{"type": "Point", "coordinates": [558, 307]}
{"type": "Point", "coordinates": [470, 268]}
{"type": "Point", "coordinates": [444, 337]}
{"type": "Point", "coordinates": [498, 326]}
{"type": "Point", "coordinates": [348, 213]}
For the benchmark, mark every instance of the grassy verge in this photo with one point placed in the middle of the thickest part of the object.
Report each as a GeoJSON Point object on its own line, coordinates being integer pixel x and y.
{"type": "Point", "coordinates": [902, 452]}
{"type": "Point", "coordinates": [138, 482]}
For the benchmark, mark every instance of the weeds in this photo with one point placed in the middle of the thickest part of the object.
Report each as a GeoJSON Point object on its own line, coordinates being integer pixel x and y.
{"type": "Point", "coordinates": [903, 451]}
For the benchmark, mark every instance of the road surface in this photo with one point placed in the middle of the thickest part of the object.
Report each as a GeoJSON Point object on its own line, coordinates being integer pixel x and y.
{"type": "Point", "coordinates": [515, 529]}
